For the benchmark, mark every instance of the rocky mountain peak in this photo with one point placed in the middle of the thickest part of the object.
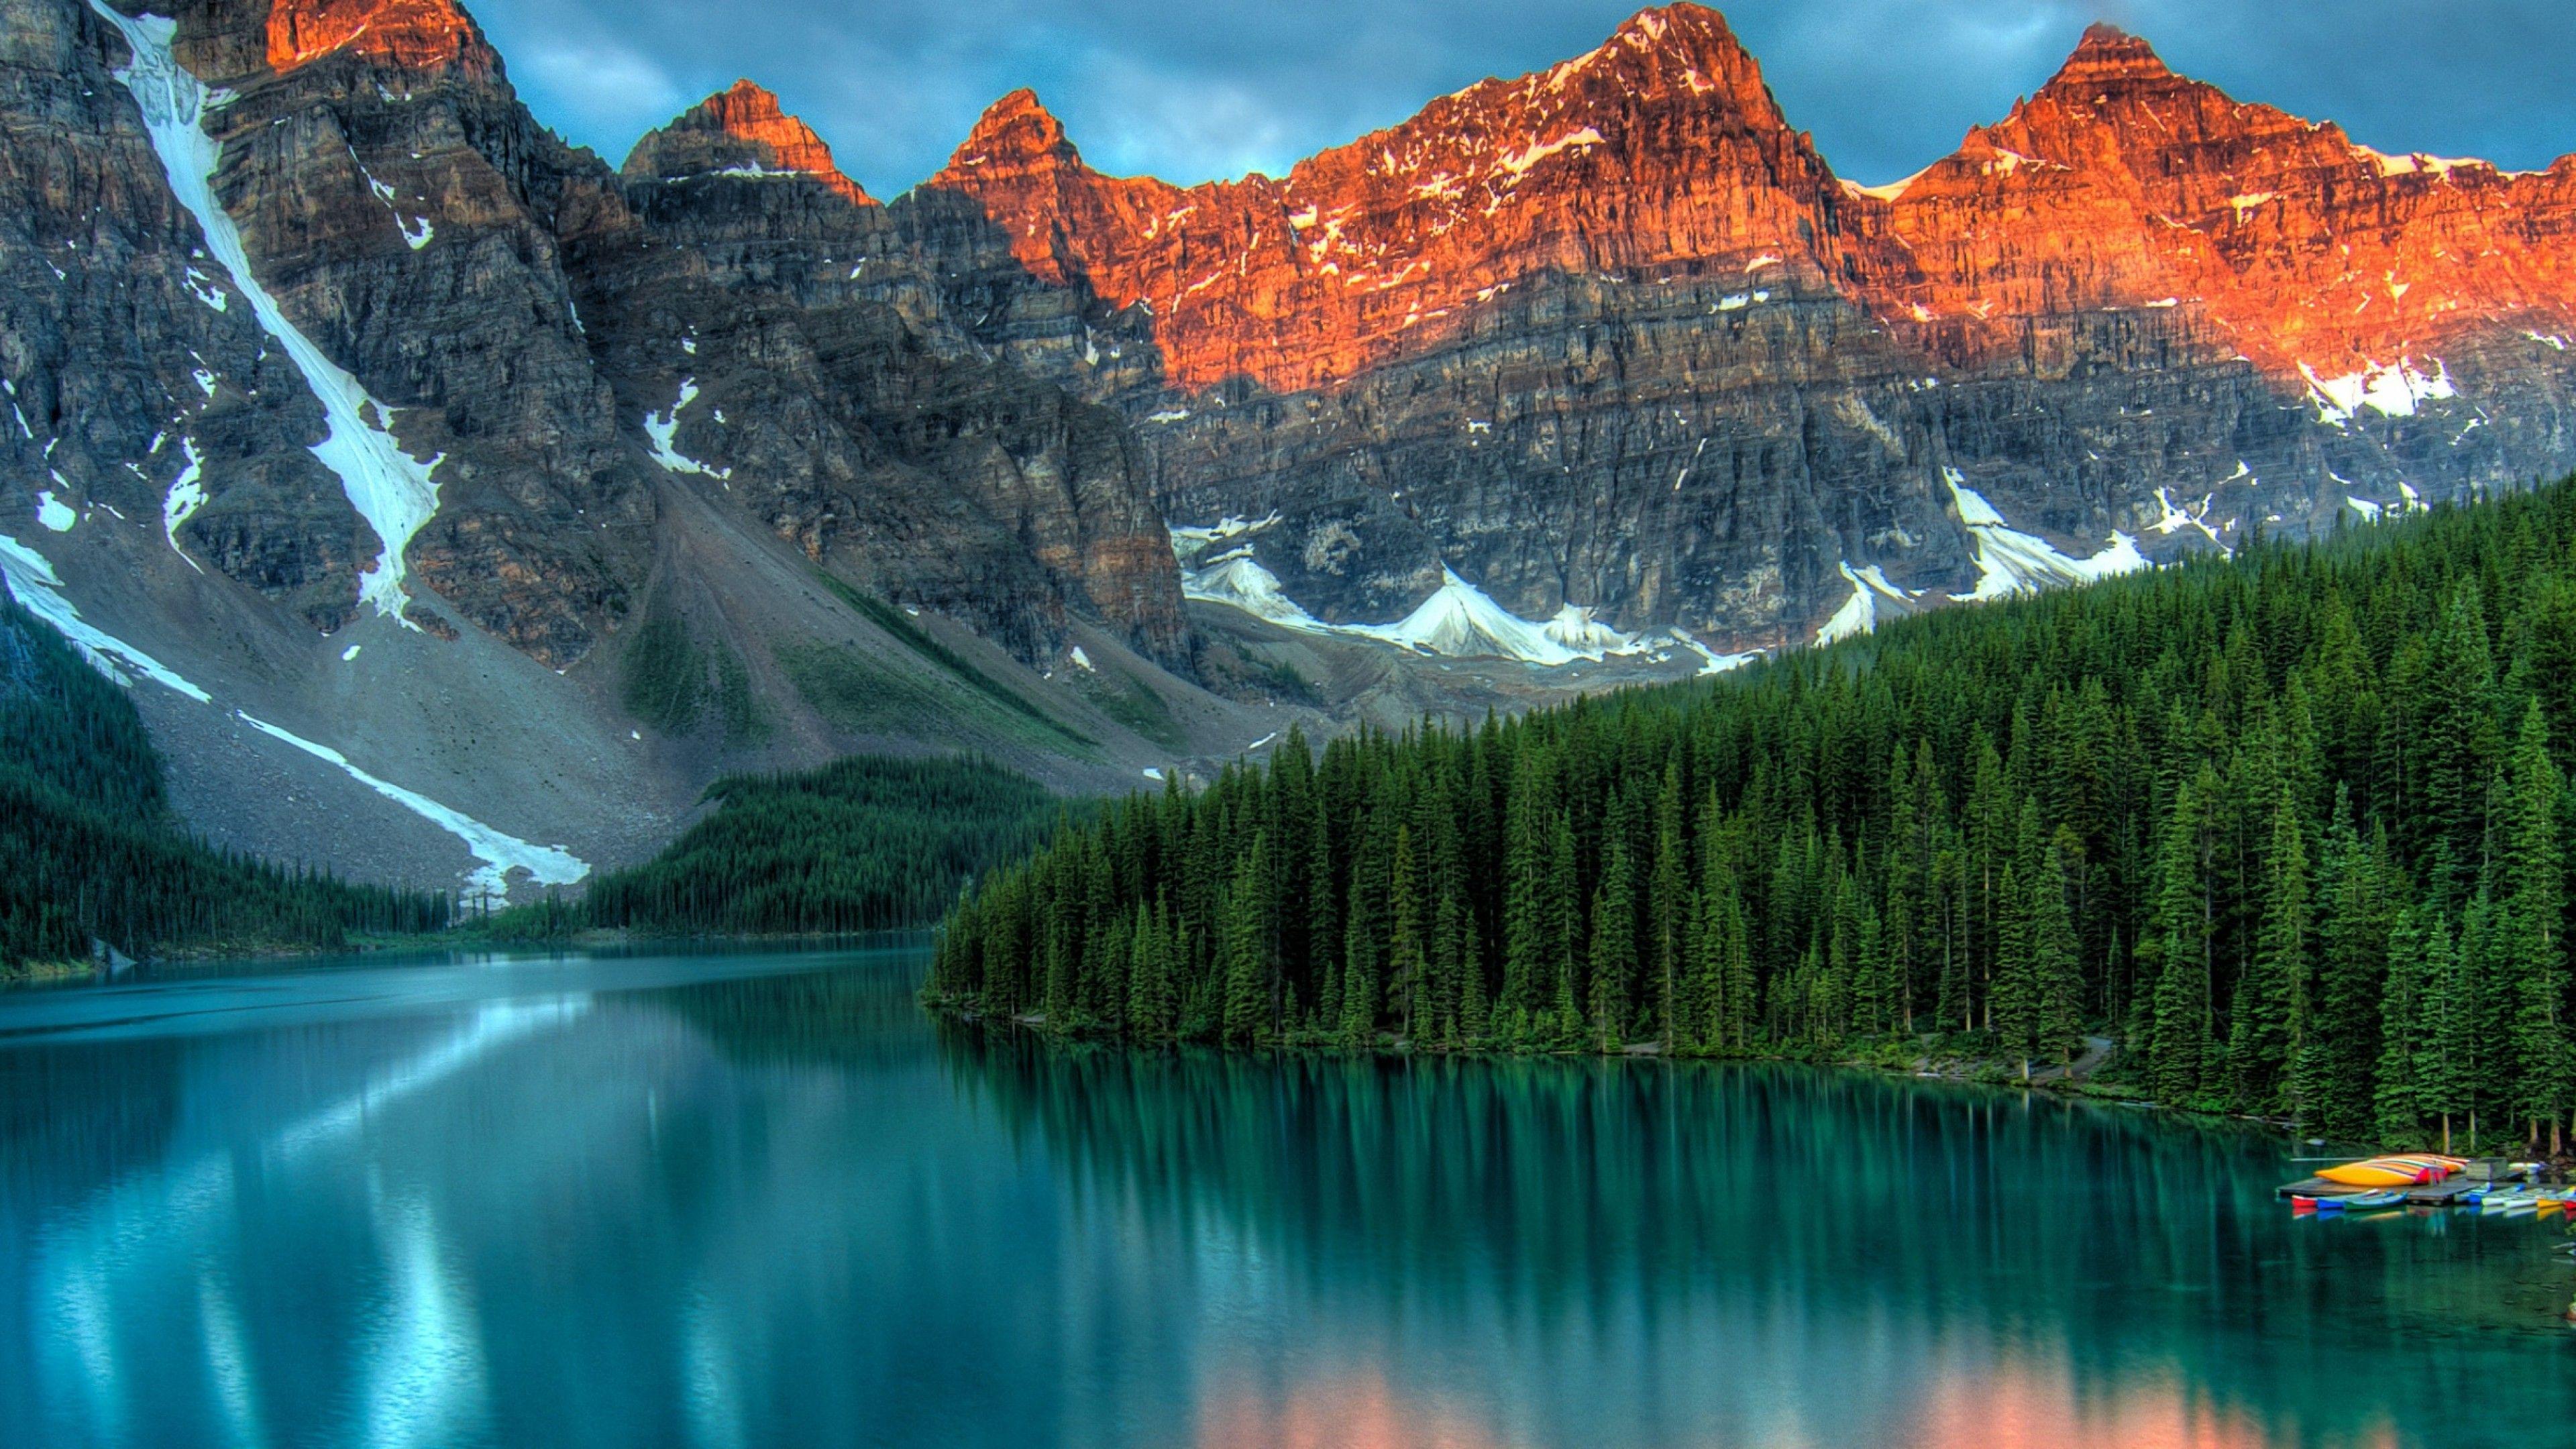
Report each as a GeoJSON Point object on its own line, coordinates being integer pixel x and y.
{"type": "Point", "coordinates": [740, 131]}
{"type": "Point", "coordinates": [1661, 143]}
{"type": "Point", "coordinates": [1015, 134]}
{"type": "Point", "coordinates": [1694, 36]}
{"type": "Point", "coordinates": [412, 35]}
{"type": "Point", "coordinates": [2109, 53]}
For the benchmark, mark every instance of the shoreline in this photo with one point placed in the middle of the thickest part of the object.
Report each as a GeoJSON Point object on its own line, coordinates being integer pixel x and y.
{"type": "Point", "coordinates": [2057, 1080]}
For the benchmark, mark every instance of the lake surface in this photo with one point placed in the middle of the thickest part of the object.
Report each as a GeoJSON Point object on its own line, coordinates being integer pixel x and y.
{"type": "Point", "coordinates": [748, 1199]}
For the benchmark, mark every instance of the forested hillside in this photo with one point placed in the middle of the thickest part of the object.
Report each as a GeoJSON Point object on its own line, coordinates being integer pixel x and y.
{"type": "Point", "coordinates": [865, 843]}
{"type": "Point", "coordinates": [2293, 826]}
{"type": "Point", "coordinates": [91, 852]}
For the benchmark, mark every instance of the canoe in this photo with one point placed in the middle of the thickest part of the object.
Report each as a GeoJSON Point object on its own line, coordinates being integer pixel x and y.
{"type": "Point", "coordinates": [2379, 1172]}
{"type": "Point", "coordinates": [2375, 1200]}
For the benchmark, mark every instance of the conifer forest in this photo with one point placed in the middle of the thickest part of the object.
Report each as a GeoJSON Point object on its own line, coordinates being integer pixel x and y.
{"type": "Point", "coordinates": [2291, 827]}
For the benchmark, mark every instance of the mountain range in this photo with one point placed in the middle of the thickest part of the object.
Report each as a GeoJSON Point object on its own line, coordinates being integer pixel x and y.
{"type": "Point", "coordinates": [459, 506]}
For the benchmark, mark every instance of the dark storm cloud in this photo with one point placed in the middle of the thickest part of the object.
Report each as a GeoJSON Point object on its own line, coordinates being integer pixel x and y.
{"type": "Point", "coordinates": [1225, 86]}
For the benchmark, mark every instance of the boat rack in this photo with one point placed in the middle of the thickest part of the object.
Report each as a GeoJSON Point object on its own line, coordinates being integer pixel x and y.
{"type": "Point", "coordinates": [2426, 1194]}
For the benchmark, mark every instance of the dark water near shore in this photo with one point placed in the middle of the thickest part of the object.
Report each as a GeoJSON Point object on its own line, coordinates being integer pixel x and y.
{"type": "Point", "coordinates": [758, 1199]}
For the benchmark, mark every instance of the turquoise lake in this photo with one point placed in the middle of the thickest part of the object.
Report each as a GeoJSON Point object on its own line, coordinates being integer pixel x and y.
{"type": "Point", "coordinates": [760, 1199]}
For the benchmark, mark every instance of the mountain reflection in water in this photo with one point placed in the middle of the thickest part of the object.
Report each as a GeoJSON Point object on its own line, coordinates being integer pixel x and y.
{"type": "Point", "coordinates": [735, 1200]}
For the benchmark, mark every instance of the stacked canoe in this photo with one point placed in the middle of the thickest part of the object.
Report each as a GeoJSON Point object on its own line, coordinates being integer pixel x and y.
{"type": "Point", "coordinates": [2382, 1181]}
{"type": "Point", "coordinates": [2372, 1173]}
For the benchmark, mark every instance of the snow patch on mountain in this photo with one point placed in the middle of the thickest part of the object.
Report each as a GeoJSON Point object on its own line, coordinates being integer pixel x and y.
{"type": "Point", "coordinates": [2011, 563]}
{"type": "Point", "coordinates": [500, 853]}
{"type": "Point", "coordinates": [1860, 613]}
{"type": "Point", "coordinates": [34, 584]}
{"type": "Point", "coordinates": [1711, 662]}
{"type": "Point", "coordinates": [2394, 392]}
{"type": "Point", "coordinates": [394, 492]}
{"type": "Point", "coordinates": [1518, 163]}
{"type": "Point", "coordinates": [661, 427]}
{"type": "Point", "coordinates": [1458, 621]}
{"type": "Point", "coordinates": [187, 494]}
{"type": "Point", "coordinates": [2176, 517]}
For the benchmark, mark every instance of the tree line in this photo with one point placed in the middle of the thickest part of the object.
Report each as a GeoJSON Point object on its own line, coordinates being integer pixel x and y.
{"type": "Point", "coordinates": [865, 843]}
{"type": "Point", "coordinates": [2290, 825]}
{"type": "Point", "coordinates": [92, 853]}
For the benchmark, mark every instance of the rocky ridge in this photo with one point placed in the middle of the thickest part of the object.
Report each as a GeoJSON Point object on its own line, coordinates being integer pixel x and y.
{"type": "Point", "coordinates": [365, 426]}
{"type": "Point", "coordinates": [2134, 309]}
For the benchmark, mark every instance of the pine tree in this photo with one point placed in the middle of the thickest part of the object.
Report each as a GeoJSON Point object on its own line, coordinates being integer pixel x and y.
{"type": "Point", "coordinates": [1474, 1028]}
{"type": "Point", "coordinates": [1526, 882]}
{"type": "Point", "coordinates": [2180, 1037]}
{"type": "Point", "coordinates": [2535, 907]}
{"type": "Point", "coordinates": [1613, 963]}
{"type": "Point", "coordinates": [1563, 927]}
{"type": "Point", "coordinates": [1871, 993]}
{"type": "Point", "coordinates": [2014, 1002]}
{"type": "Point", "coordinates": [1667, 893]}
{"type": "Point", "coordinates": [2398, 1100]}
{"type": "Point", "coordinates": [1246, 946]}
{"type": "Point", "coordinates": [2270, 1048]}
{"type": "Point", "coordinates": [1407, 960]}
{"type": "Point", "coordinates": [2456, 746]}
{"type": "Point", "coordinates": [2056, 968]}
{"type": "Point", "coordinates": [2354, 938]}
{"type": "Point", "coordinates": [2447, 1031]}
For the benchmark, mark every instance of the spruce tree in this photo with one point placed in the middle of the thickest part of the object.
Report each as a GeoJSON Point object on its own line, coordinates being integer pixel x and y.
{"type": "Point", "coordinates": [2444, 1069]}
{"type": "Point", "coordinates": [2398, 1096]}
{"type": "Point", "coordinates": [2535, 907]}
{"type": "Point", "coordinates": [2013, 1005]}
{"type": "Point", "coordinates": [1613, 957]}
{"type": "Point", "coordinates": [1407, 960]}
{"type": "Point", "coordinates": [1246, 946]}
{"type": "Point", "coordinates": [2056, 968]}
{"type": "Point", "coordinates": [1474, 1027]}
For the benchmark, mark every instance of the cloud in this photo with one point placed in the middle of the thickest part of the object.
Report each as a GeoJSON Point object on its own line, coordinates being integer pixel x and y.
{"type": "Point", "coordinates": [596, 89]}
{"type": "Point", "coordinates": [1231, 85]}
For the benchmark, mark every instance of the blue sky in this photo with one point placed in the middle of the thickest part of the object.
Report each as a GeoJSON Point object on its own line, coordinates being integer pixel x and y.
{"type": "Point", "coordinates": [1221, 87]}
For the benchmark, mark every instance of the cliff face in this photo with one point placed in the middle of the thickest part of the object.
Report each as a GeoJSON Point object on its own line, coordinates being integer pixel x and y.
{"type": "Point", "coordinates": [368, 430]}
{"type": "Point", "coordinates": [2318, 256]}
{"type": "Point", "coordinates": [766, 317]}
{"type": "Point", "coordinates": [436, 248]}
{"type": "Point", "coordinates": [1614, 335]}
{"type": "Point", "coordinates": [131, 369]}
{"type": "Point", "coordinates": [1663, 145]}
{"type": "Point", "coordinates": [738, 132]}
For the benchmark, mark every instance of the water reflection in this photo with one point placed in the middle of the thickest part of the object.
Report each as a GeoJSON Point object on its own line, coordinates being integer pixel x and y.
{"type": "Point", "coordinates": [1357, 1411]}
{"type": "Point", "coordinates": [578, 1202]}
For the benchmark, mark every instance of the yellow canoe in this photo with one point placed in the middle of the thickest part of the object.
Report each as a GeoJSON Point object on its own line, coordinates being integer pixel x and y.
{"type": "Point", "coordinates": [2391, 1171]}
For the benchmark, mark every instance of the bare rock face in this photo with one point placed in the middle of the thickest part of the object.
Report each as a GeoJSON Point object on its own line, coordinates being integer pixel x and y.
{"type": "Point", "coordinates": [131, 367]}
{"type": "Point", "coordinates": [774, 322]}
{"type": "Point", "coordinates": [1662, 145]}
{"type": "Point", "coordinates": [738, 132]}
{"type": "Point", "coordinates": [402, 208]}
{"type": "Point", "coordinates": [2399, 297]}
{"type": "Point", "coordinates": [1613, 334]}
{"type": "Point", "coordinates": [408, 35]}
{"type": "Point", "coordinates": [509, 311]}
